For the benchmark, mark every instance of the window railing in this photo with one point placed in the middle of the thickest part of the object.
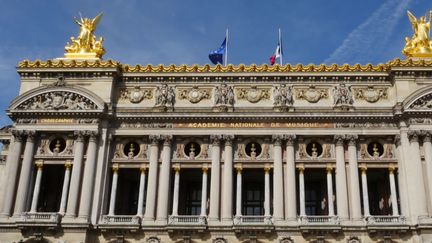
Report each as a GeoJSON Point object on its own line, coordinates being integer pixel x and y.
{"type": "Point", "coordinates": [322, 220]}
{"type": "Point", "coordinates": [385, 219]}
{"type": "Point", "coordinates": [252, 219]}
{"type": "Point", "coordinates": [120, 219]}
{"type": "Point", "coordinates": [187, 220]}
{"type": "Point", "coordinates": [40, 217]}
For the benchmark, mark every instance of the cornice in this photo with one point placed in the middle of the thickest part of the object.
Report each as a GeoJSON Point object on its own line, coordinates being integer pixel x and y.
{"type": "Point", "coordinates": [253, 68]}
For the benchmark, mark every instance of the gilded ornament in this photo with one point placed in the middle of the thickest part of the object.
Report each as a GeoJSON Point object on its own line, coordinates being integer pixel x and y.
{"type": "Point", "coordinates": [311, 94]}
{"type": "Point", "coordinates": [194, 94]}
{"type": "Point", "coordinates": [253, 94]}
{"type": "Point", "coordinates": [86, 45]}
{"type": "Point", "coordinates": [371, 94]}
{"type": "Point", "coordinates": [420, 44]}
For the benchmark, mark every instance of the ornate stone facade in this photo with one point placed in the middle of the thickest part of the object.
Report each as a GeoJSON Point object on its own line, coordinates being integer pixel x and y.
{"type": "Point", "coordinates": [218, 154]}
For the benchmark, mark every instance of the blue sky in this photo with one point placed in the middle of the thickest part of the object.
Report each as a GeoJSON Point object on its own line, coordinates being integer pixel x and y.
{"type": "Point", "coordinates": [184, 32]}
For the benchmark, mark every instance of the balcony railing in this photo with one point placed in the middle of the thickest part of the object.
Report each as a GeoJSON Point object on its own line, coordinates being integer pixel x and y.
{"type": "Point", "coordinates": [121, 220]}
{"type": "Point", "coordinates": [253, 220]}
{"type": "Point", "coordinates": [187, 220]}
{"type": "Point", "coordinates": [39, 218]}
{"type": "Point", "coordinates": [385, 220]}
{"type": "Point", "coordinates": [319, 220]}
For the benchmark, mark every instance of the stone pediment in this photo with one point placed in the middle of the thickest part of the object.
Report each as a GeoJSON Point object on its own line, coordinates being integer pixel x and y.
{"type": "Point", "coordinates": [420, 101]}
{"type": "Point", "coordinates": [54, 99]}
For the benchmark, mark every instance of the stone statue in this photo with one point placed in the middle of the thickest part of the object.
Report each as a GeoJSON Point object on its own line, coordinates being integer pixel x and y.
{"type": "Point", "coordinates": [342, 95]}
{"type": "Point", "coordinates": [282, 95]}
{"type": "Point", "coordinates": [420, 45]}
{"type": "Point", "coordinates": [224, 95]}
{"type": "Point", "coordinates": [165, 96]}
{"type": "Point", "coordinates": [86, 42]}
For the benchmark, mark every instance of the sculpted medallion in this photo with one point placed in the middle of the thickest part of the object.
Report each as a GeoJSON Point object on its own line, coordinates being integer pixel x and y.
{"type": "Point", "coordinates": [194, 94]}
{"type": "Point", "coordinates": [370, 94]}
{"type": "Point", "coordinates": [311, 94]}
{"type": "Point", "coordinates": [136, 94]}
{"type": "Point", "coordinates": [253, 94]}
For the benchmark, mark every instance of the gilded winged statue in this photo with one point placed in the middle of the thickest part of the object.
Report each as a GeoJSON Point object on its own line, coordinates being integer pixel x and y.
{"type": "Point", "coordinates": [420, 45]}
{"type": "Point", "coordinates": [86, 43]}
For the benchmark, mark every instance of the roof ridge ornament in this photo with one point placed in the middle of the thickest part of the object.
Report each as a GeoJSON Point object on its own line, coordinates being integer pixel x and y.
{"type": "Point", "coordinates": [86, 45]}
{"type": "Point", "coordinates": [420, 45]}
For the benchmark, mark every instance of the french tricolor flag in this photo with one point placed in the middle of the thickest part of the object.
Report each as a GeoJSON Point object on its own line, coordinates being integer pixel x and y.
{"type": "Point", "coordinates": [276, 55]}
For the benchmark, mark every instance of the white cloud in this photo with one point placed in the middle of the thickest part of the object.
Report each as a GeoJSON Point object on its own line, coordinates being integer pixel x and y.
{"type": "Point", "coordinates": [370, 38]}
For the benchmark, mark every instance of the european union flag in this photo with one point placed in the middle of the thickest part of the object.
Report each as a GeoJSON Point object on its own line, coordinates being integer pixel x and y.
{"type": "Point", "coordinates": [217, 55]}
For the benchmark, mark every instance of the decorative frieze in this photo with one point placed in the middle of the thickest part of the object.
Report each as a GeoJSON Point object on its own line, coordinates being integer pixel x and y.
{"type": "Point", "coordinates": [253, 94]}
{"type": "Point", "coordinates": [194, 94]}
{"type": "Point", "coordinates": [311, 94]}
{"type": "Point", "coordinates": [370, 94]}
{"type": "Point", "coordinates": [136, 95]}
{"type": "Point", "coordinates": [58, 100]}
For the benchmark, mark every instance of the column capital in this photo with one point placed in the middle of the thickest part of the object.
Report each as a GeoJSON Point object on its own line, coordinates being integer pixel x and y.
{"type": "Point", "coordinates": [352, 139]}
{"type": "Point", "coordinates": [329, 168]}
{"type": "Point", "coordinates": [215, 139]}
{"type": "Point", "coordinates": [154, 139]}
{"type": "Point", "coordinates": [31, 135]}
{"type": "Point", "coordinates": [290, 139]}
{"type": "Point", "coordinates": [93, 135]}
{"type": "Point", "coordinates": [176, 168]}
{"type": "Point", "coordinates": [204, 169]}
{"type": "Point", "coordinates": [413, 135]}
{"type": "Point", "coordinates": [18, 135]}
{"type": "Point", "coordinates": [228, 138]}
{"type": "Point", "coordinates": [277, 139]}
{"type": "Point", "coordinates": [143, 169]}
{"type": "Point", "coordinates": [80, 135]}
{"type": "Point", "coordinates": [301, 168]}
{"type": "Point", "coordinates": [39, 164]}
{"type": "Point", "coordinates": [239, 169]}
{"type": "Point", "coordinates": [167, 140]}
{"type": "Point", "coordinates": [339, 139]}
{"type": "Point", "coordinates": [426, 135]}
{"type": "Point", "coordinates": [115, 168]}
{"type": "Point", "coordinates": [267, 169]}
{"type": "Point", "coordinates": [391, 168]}
{"type": "Point", "coordinates": [363, 168]}
{"type": "Point", "coordinates": [68, 165]}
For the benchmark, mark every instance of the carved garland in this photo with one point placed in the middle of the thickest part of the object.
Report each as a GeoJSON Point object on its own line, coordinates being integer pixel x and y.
{"type": "Point", "coordinates": [311, 94]}
{"type": "Point", "coordinates": [253, 94]}
{"type": "Point", "coordinates": [136, 95]}
{"type": "Point", "coordinates": [58, 100]}
{"type": "Point", "coordinates": [194, 95]}
{"type": "Point", "coordinates": [371, 94]}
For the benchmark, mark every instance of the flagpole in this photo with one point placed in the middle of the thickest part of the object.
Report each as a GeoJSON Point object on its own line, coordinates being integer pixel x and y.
{"type": "Point", "coordinates": [280, 43]}
{"type": "Point", "coordinates": [226, 48]}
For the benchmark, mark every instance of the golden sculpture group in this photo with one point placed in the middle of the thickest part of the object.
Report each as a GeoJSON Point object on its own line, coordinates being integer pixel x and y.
{"type": "Point", "coordinates": [420, 45]}
{"type": "Point", "coordinates": [86, 45]}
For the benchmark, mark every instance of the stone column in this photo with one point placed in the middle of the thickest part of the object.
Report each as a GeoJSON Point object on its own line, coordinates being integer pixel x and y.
{"type": "Point", "coordinates": [393, 192]}
{"type": "Point", "coordinates": [12, 173]}
{"type": "Point", "coordinates": [140, 206]}
{"type": "Point", "coordinates": [278, 200]}
{"type": "Point", "coordinates": [227, 179]}
{"type": "Point", "coordinates": [65, 188]}
{"type": "Point", "coordinates": [341, 182]}
{"type": "Point", "coordinates": [365, 192]}
{"type": "Point", "coordinates": [414, 173]}
{"type": "Point", "coordinates": [290, 181]}
{"type": "Point", "coordinates": [76, 175]}
{"type": "Point", "coordinates": [267, 191]}
{"type": "Point", "coordinates": [302, 191]}
{"type": "Point", "coordinates": [402, 179]}
{"type": "Point", "coordinates": [152, 179]}
{"type": "Point", "coordinates": [25, 175]}
{"type": "Point", "coordinates": [88, 178]}
{"type": "Point", "coordinates": [164, 181]}
{"type": "Point", "coordinates": [330, 191]}
{"type": "Point", "coordinates": [176, 191]}
{"type": "Point", "coordinates": [239, 192]}
{"type": "Point", "coordinates": [427, 146]}
{"type": "Point", "coordinates": [215, 179]}
{"type": "Point", "coordinates": [204, 192]}
{"type": "Point", "coordinates": [113, 195]}
{"type": "Point", "coordinates": [36, 189]}
{"type": "Point", "coordinates": [354, 186]}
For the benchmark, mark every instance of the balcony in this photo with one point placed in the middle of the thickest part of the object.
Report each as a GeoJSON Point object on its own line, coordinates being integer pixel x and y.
{"type": "Point", "coordinates": [386, 220]}
{"type": "Point", "coordinates": [253, 220]}
{"type": "Point", "coordinates": [319, 220]}
{"type": "Point", "coordinates": [187, 220]}
{"type": "Point", "coordinates": [39, 219]}
{"type": "Point", "coordinates": [120, 221]}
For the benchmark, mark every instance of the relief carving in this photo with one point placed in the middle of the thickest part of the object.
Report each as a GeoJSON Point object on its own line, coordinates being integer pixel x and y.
{"type": "Point", "coordinates": [283, 96]}
{"type": "Point", "coordinates": [342, 95]}
{"type": "Point", "coordinates": [224, 95]}
{"type": "Point", "coordinates": [371, 94]}
{"type": "Point", "coordinates": [302, 151]}
{"type": "Point", "coordinates": [58, 100]}
{"type": "Point", "coordinates": [136, 95]}
{"type": "Point", "coordinates": [204, 151]}
{"type": "Point", "coordinates": [165, 96]}
{"type": "Point", "coordinates": [327, 151]}
{"type": "Point", "coordinates": [424, 102]}
{"type": "Point", "coordinates": [311, 94]}
{"type": "Point", "coordinates": [194, 95]}
{"type": "Point", "coordinates": [388, 151]}
{"type": "Point", "coordinates": [179, 151]}
{"type": "Point", "coordinates": [253, 94]}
